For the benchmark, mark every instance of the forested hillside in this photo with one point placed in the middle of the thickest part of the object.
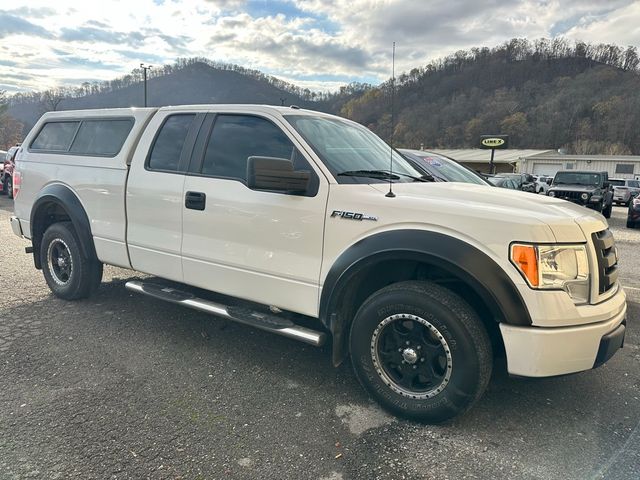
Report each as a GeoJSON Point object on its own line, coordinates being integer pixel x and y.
{"type": "Point", "coordinates": [545, 94]}
{"type": "Point", "coordinates": [188, 81]}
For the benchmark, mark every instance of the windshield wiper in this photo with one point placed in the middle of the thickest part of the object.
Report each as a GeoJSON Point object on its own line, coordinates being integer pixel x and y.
{"type": "Point", "coordinates": [370, 173]}
{"type": "Point", "coordinates": [383, 174]}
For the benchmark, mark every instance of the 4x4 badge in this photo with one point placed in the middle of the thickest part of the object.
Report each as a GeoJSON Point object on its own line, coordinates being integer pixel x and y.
{"type": "Point", "coordinates": [353, 215]}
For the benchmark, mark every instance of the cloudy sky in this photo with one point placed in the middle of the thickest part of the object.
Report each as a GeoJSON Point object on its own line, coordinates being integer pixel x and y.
{"type": "Point", "coordinates": [319, 44]}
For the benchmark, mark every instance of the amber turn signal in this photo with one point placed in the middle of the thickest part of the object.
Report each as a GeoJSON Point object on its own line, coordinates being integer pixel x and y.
{"type": "Point", "coordinates": [525, 257]}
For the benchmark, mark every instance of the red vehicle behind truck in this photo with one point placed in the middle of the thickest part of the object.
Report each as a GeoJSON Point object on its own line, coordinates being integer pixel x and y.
{"type": "Point", "coordinates": [6, 175]}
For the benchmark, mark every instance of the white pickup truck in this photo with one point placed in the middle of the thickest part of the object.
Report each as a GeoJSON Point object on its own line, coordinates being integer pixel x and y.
{"type": "Point", "coordinates": [286, 218]}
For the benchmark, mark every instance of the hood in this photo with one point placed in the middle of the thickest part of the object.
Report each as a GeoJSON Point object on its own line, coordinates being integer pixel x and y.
{"type": "Point", "coordinates": [565, 219]}
{"type": "Point", "coordinates": [574, 187]}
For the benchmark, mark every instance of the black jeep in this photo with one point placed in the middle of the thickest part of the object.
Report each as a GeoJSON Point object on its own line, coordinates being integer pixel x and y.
{"type": "Point", "coordinates": [589, 189]}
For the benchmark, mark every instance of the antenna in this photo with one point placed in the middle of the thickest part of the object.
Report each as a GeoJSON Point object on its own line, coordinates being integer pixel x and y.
{"type": "Point", "coordinates": [390, 193]}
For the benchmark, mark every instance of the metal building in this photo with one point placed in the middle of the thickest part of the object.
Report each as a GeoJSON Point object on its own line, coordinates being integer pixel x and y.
{"type": "Point", "coordinates": [548, 163]}
{"type": "Point", "coordinates": [544, 162]}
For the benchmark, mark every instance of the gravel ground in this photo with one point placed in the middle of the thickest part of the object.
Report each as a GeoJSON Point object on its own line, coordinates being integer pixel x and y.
{"type": "Point", "coordinates": [125, 387]}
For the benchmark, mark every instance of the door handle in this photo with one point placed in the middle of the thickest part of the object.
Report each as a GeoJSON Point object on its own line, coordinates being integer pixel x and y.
{"type": "Point", "coordinates": [195, 200]}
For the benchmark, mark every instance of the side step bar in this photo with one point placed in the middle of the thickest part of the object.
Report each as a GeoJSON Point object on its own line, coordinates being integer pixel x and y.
{"type": "Point", "coordinates": [263, 321]}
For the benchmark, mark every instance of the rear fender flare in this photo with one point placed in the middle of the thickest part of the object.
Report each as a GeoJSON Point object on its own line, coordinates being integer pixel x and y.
{"type": "Point", "coordinates": [64, 198]}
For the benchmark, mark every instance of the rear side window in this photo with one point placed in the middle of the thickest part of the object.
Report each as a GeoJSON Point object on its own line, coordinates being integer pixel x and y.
{"type": "Point", "coordinates": [237, 137]}
{"type": "Point", "coordinates": [634, 183]}
{"type": "Point", "coordinates": [55, 136]}
{"type": "Point", "coordinates": [101, 137]}
{"type": "Point", "coordinates": [167, 148]}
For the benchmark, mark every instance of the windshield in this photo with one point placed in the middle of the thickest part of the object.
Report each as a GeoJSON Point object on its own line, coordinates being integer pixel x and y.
{"type": "Point", "coordinates": [577, 178]}
{"type": "Point", "coordinates": [352, 153]}
{"type": "Point", "coordinates": [498, 181]}
{"type": "Point", "coordinates": [443, 168]}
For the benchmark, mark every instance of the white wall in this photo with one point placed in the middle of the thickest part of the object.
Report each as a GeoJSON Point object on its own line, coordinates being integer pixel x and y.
{"type": "Point", "coordinates": [549, 166]}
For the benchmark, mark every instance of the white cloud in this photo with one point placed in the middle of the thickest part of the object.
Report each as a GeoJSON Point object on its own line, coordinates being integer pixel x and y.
{"type": "Point", "coordinates": [321, 43]}
{"type": "Point", "coordinates": [621, 26]}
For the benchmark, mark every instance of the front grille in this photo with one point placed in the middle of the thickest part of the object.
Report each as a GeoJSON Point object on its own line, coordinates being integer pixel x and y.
{"type": "Point", "coordinates": [607, 256]}
{"type": "Point", "coordinates": [571, 196]}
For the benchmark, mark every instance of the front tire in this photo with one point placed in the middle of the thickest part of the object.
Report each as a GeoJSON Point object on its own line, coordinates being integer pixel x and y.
{"type": "Point", "coordinates": [68, 273]}
{"type": "Point", "coordinates": [421, 351]}
{"type": "Point", "coordinates": [606, 210]}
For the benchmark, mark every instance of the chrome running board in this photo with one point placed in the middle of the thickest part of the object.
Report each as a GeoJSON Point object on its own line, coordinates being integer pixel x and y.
{"type": "Point", "coordinates": [263, 321]}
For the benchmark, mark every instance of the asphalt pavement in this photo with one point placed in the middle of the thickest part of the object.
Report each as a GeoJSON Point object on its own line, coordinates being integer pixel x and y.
{"type": "Point", "coordinates": [121, 386]}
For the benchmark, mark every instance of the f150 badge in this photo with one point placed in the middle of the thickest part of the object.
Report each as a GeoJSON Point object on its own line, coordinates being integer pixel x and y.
{"type": "Point", "coordinates": [353, 215]}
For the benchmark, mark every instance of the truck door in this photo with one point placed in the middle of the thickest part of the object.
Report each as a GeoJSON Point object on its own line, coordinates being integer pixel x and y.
{"type": "Point", "coordinates": [262, 246]}
{"type": "Point", "coordinates": [154, 193]}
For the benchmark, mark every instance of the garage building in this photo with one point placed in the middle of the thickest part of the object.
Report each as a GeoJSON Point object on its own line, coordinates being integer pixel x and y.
{"type": "Point", "coordinates": [544, 162]}
{"type": "Point", "coordinates": [548, 163]}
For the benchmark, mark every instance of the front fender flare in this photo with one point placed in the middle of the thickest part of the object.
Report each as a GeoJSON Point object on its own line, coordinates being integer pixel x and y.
{"type": "Point", "coordinates": [462, 260]}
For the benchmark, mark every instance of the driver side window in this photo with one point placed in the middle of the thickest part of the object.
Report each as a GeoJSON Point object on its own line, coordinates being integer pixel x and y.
{"type": "Point", "coordinates": [234, 138]}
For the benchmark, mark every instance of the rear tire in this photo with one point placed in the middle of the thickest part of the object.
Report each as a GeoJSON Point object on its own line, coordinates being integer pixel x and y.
{"type": "Point", "coordinates": [69, 274]}
{"type": "Point", "coordinates": [8, 186]}
{"type": "Point", "coordinates": [421, 351]}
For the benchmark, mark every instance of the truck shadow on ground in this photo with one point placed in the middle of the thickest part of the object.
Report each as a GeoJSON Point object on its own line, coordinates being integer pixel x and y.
{"type": "Point", "coordinates": [132, 330]}
{"type": "Point", "coordinates": [159, 376]}
{"type": "Point", "coordinates": [6, 204]}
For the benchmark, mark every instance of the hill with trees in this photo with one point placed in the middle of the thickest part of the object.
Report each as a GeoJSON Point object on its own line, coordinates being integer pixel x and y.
{"type": "Point", "coordinates": [188, 81]}
{"type": "Point", "coordinates": [544, 94]}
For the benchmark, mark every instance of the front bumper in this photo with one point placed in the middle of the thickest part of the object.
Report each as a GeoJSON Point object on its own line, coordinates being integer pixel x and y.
{"type": "Point", "coordinates": [544, 352]}
{"type": "Point", "coordinates": [16, 227]}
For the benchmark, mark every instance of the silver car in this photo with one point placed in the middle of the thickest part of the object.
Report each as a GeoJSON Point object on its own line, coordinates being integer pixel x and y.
{"type": "Point", "coordinates": [624, 189]}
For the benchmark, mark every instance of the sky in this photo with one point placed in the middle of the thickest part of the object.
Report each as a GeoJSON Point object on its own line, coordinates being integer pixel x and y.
{"type": "Point", "coordinates": [316, 44]}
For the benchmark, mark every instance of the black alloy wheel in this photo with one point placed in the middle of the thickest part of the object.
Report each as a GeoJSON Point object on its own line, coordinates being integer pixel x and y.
{"type": "Point", "coordinates": [411, 355]}
{"type": "Point", "coordinates": [421, 351]}
{"type": "Point", "coordinates": [59, 261]}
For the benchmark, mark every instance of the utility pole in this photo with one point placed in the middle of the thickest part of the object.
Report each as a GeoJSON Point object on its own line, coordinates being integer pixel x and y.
{"type": "Point", "coordinates": [144, 69]}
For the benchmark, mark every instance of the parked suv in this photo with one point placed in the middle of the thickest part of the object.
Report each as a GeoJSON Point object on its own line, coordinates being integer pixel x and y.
{"type": "Point", "coordinates": [524, 181]}
{"type": "Point", "coordinates": [542, 183]}
{"type": "Point", "coordinates": [633, 214]}
{"type": "Point", "coordinates": [294, 222]}
{"type": "Point", "coordinates": [624, 190]}
{"type": "Point", "coordinates": [589, 189]}
{"type": "Point", "coordinates": [6, 176]}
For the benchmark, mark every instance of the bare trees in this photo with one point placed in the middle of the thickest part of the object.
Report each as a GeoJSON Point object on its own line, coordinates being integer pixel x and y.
{"type": "Point", "coordinates": [544, 93]}
{"type": "Point", "coordinates": [10, 128]}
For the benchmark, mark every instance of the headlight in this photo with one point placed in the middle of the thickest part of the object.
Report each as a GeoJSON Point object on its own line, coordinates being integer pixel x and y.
{"type": "Point", "coordinates": [554, 267]}
{"type": "Point", "coordinates": [584, 196]}
{"type": "Point", "coordinates": [552, 193]}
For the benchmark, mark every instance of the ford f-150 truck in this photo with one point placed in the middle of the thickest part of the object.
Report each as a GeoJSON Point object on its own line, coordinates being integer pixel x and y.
{"type": "Point", "coordinates": [308, 225]}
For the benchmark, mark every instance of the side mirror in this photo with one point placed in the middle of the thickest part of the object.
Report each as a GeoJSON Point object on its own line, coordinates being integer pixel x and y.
{"type": "Point", "coordinates": [276, 174]}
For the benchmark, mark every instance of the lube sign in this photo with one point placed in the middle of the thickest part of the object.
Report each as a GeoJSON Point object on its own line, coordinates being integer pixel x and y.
{"type": "Point", "coordinates": [494, 142]}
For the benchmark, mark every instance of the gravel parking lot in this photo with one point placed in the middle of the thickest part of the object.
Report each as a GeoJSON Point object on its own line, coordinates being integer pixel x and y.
{"type": "Point", "coordinates": [121, 386]}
